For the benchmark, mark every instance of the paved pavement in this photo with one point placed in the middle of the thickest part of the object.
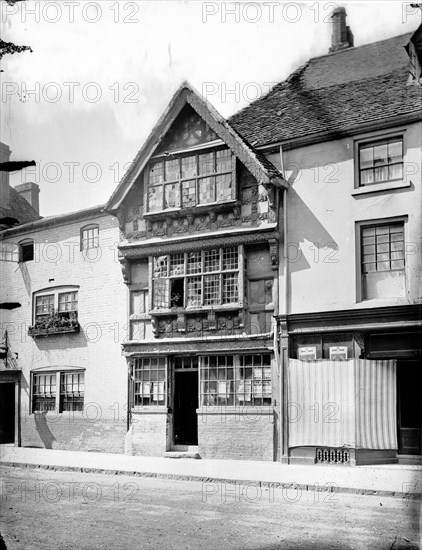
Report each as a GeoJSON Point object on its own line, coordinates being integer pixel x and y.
{"type": "Point", "coordinates": [388, 480]}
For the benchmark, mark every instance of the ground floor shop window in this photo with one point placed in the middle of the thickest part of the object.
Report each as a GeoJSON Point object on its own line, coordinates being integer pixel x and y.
{"type": "Point", "coordinates": [149, 381]}
{"type": "Point", "coordinates": [236, 380]}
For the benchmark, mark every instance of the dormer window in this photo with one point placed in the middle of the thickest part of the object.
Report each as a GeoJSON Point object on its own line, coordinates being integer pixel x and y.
{"type": "Point", "coordinates": [191, 180]}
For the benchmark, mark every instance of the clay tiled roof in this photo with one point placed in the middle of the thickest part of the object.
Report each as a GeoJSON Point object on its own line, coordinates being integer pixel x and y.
{"type": "Point", "coordinates": [333, 93]}
{"type": "Point", "coordinates": [20, 208]}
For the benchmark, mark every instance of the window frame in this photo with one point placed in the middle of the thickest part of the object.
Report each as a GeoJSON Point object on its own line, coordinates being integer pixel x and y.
{"type": "Point", "coordinates": [59, 373]}
{"type": "Point", "coordinates": [197, 177]}
{"type": "Point", "coordinates": [202, 274]}
{"type": "Point", "coordinates": [133, 381]}
{"type": "Point", "coordinates": [56, 292]}
{"type": "Point", "coordinates": [376, 138]}
{"type": "Point", "coordinates": [358, 256]}
{"type": "Point", "coordinates": [23, 244]}
{"type": "Point", "coordinates": [95, 238]}
{"type": "Point", "coordinates": [238, 365]}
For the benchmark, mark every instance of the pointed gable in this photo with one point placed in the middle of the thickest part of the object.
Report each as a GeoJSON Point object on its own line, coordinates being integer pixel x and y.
{"type": "Point", "coordinates": [188, 122]}
{"type": "Point", "coordinates": [188, 130]}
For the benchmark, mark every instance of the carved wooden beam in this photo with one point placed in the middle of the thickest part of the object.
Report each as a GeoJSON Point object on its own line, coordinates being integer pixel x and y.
{"type": "Point", "coordinates": [273, 253]}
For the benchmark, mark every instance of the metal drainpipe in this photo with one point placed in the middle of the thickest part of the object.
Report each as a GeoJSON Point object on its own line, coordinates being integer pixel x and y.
{"type": "Point", "coordinates": [283, 426]}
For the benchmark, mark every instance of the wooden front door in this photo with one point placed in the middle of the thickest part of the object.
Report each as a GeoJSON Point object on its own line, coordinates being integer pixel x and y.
{"type": "Point", "coordinates": [185, 405]}
{"type": "Point", "coordinates": [7, 412]}
{"type": "Point", "coordinates": [409, 401]}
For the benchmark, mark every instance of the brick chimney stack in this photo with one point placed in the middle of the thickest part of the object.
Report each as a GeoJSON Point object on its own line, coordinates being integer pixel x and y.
{"type": "Point", "coordinates": [342, 36]}
{"type": "Point", "coordinates": [30, 191]}
{"type": "Point", "coordinates": [4, 178]}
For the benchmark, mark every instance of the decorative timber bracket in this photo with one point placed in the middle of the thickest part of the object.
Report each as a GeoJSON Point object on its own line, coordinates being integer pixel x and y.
{"type": "Point", "coordinates": [273, 243]}
{"type": "Point", "coordinates": [125, 267]}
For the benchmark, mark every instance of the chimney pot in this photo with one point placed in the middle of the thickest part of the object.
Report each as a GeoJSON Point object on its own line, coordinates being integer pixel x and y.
{"type": "Point", "coordinates": [30, 191]}
{"type": "Point", "coordinates": [342, 36]}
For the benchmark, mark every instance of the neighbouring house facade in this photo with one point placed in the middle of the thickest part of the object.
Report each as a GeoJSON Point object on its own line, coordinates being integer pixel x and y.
{"type": "Point", "coordinates": [63, 382]}
{"type": "Point", "coordinates": [271, 290]}
{"type": "Point", "coordinates": [345, 129]}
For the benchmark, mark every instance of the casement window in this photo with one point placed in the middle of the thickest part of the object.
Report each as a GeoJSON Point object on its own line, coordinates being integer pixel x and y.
{"type": "Point", "coordinates": [26, 250]}
{"type": "Point", "coordinates": [382, 260]}
{"type": "Point", "coordinates": [195, 279]}
{"type": "Point", "coordinates": [139, 318]}
{"type": "Point", "coordinates": [64, 301]}
{"type": "Point", "coordinates": [380, 161]}
{"type": "Point", "coordinates": [62, 388]}
{"type": "Point", "coordinates": [230, 380]}
{"type": "Point", "coordinates": [72, 391]}
{"type": "Point", "coordinates": [90, 237]}
{"type": "Point", "coordinates": [43, 392]}
{"type": "Point", "coordinates": [191, 180]}
{"type": "Point", "coordinates": [149, 382]}
{"type": "Point", "coordinates": [9, 252]}
{"type": "Point", "coordinates": [259, 281]}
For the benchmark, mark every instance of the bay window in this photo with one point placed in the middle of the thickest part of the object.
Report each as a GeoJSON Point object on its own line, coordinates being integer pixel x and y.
{"type": "Point", "coordinates": [191, 180]}
{"type": "Point", "coordinates": [195, 279]}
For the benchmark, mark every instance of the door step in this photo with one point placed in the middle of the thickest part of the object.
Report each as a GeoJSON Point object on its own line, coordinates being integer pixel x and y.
{"type": "Point", "coordinates": [183, 451]}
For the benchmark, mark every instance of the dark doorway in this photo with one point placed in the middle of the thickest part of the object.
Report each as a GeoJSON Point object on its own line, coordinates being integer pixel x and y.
{"type": "Point", "coordinates": [409, 401]}
{"type": "Point", "coordinates": [7, 413]}
{"type": "Point", "coordinates": [185, 405]}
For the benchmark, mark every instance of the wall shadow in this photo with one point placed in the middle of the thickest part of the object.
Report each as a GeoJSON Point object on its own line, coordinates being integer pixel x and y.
{"type": "Point", "coordinates": [43, 430]}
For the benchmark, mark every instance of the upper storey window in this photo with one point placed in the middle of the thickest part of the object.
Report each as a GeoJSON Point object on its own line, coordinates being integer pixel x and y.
{"type": "Point", "coordinates": [191, 180]}
{"type": "Point", "coordinates": [90, 237]}
{"type": "Point", "coordinates": [381, 161]}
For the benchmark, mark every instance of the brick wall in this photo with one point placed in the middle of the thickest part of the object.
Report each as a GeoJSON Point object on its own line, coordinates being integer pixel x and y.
{"type": "Point", "coordinates": [149, 433]}
{"type": "Point", "coordinates": [102, 314]}
{"type": "Point", "coordinates": [236, 436]}
{"type": "Point", "coordinates": [73, 432]}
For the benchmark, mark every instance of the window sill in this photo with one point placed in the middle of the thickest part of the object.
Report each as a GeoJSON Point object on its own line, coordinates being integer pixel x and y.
{"type": "Point", "coordinates": [159, 409]}
{"type": "Point", "coordinates": [380, 187]}
{"type": "Point", "coordinates": [193, 310]}
{"type": "Point", "coordinates": [199, 208]}
{"type": "Point", "coordinates": [236, 409]}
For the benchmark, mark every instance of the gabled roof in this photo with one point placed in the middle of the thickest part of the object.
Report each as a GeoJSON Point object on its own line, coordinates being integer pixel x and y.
{"type": "Point", "coordinates": [334, 93]}
{"type": "Point", "coordinates": [263, 170]}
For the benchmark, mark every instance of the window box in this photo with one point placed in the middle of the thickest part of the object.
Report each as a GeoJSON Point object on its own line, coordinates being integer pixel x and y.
{"type": "Point", "coordinates": [54, 324]}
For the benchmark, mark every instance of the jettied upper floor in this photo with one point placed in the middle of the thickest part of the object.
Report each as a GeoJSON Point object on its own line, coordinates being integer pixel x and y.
{"type": "Point", "coordinates": [194, 182]}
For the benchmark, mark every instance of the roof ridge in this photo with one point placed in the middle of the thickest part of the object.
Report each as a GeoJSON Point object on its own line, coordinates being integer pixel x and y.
{"type": "Point", "coordinates": [354, 48]}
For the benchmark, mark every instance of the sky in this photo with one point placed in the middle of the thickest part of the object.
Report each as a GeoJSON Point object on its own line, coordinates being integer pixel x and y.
{"type": "Point", "coordinates": [101, 73]}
